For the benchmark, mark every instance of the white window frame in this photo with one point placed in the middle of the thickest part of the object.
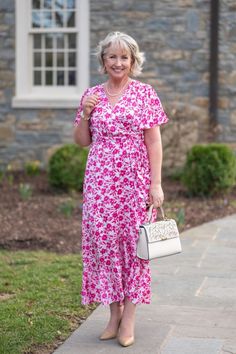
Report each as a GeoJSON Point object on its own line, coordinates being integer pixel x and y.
{"type": "Point", "coordinates": [26, 95]}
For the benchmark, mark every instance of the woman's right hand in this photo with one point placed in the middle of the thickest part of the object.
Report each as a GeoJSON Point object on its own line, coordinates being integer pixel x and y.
{"type": "Point", "coordinates": [89, 104]}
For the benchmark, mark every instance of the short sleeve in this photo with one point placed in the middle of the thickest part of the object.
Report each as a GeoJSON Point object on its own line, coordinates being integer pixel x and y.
{"type": "Point", "coordinates": [80, 108]}
{"type": "Point", "coordinates": [153, 113]}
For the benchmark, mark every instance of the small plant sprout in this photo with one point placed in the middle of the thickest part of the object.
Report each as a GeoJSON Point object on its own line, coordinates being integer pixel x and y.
{"type": "Point", "coordinates": [9, 175]}
{"type": "Point", "coordinates": [67, 207]}
{"type": "Point", "coordinates": [180, 215]}
{"type": "Point", "coordinates": [25, 191]}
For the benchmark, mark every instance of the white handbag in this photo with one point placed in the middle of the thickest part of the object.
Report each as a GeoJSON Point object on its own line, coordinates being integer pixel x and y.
{"type": "Point", "coordinates": [159, 238]}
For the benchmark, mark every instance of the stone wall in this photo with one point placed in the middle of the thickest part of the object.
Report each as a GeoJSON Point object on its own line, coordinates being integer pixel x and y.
{"type": "Point", "coordinates": [175, 38]}
{"type": "Point", "coordinates": [227, 72]}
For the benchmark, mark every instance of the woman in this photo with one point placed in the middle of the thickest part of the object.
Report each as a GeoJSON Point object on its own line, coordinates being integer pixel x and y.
{"type": "Point", "coordinates": [120, 121]}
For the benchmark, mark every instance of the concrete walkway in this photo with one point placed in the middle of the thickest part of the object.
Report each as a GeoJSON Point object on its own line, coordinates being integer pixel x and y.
{"type": "Point", "coordinates": [193, 308]}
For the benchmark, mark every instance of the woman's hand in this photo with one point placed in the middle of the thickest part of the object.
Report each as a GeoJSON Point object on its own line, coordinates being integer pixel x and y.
{"type": "Point", "coordinates": [156, 195]}
{"type": "Point", "coordinates": [89, 104]}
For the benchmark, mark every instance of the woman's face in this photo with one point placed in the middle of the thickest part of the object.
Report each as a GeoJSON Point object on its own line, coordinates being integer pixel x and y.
{"type": "Point", "coordinates": [117, 62]}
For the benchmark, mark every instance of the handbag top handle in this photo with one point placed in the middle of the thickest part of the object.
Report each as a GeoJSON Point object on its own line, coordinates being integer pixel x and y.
{"type": "Point", "coordinates": [150, 212]}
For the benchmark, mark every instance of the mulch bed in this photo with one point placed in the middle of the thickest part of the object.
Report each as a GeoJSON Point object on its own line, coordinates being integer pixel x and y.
{"type": "Point", "coordinates": [38, 222]}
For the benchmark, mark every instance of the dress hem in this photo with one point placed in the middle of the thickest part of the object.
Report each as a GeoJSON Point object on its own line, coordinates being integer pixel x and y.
{"type": "Point", "coordinates": [121, 302]}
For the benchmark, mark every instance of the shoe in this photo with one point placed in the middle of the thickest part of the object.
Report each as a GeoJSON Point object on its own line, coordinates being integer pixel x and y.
{"type": "Point", "coordinates": [108, 335]}
{"type": "Point", "coordinates": [126, 341]}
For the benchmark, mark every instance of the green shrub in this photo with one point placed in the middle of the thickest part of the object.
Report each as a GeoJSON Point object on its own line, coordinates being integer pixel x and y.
{"type": "Point", "coordinates": [32, 168]}
{"type": "Point", "coordinates": [209, 169]}
{"type": "Point", "coordinates": [67, 166]}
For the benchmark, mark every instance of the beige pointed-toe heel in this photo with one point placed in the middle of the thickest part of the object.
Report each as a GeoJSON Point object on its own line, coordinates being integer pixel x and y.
{"type": "Point", "coordinates": [108, 335]}
{"type": "Point", "coordinates": [126, 341]}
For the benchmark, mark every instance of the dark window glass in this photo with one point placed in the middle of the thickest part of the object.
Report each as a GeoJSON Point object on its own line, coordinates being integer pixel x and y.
{"type": "Point", "coordinates": [60, 78]}
{"type": "Point", "coordinates": [36, 4]}
{"type": "Point", "coordinates": [72, 59]}
{"type": "Point", "coordinates": [37, 77]}
{"type": "Point", "coordinates": [60, 59]}
{"type": "Point", "coordinates": [37, 59]}
{"type": "Point", "coordinates": [72, 78]}
{"type": "Point", "coordinates": [71, 41]}
{"type": "Point", "coordinates": [59, 16]}
{"type": "Point", "coordinates": [49, 59]}
{"type": "Point", "coordinates": [48, 41]}
{"type": "Point", "coordinates": [49, 75]}
{"type": "Point", "coordinates": [60, 41]}
{"type": "Point", "coordinates": [37, 41]}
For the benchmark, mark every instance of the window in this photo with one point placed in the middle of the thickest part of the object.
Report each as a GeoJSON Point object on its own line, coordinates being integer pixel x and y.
{"type": "Point", "coordinates": [52, 52]}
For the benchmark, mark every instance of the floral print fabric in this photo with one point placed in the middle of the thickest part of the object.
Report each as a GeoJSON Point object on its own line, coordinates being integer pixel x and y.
{"type": "Point", "coordinates": [116, 187]}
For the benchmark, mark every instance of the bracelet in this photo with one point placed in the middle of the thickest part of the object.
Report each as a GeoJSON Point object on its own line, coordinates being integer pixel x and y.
{"type": "Point", "coordinates": [83, 116]}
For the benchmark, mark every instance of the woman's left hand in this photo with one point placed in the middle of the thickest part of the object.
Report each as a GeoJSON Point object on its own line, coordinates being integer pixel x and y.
{"type": "Point", "coordinates": [156, 195]}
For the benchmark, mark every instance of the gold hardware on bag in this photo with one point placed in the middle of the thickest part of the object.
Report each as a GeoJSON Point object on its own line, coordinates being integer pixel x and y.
{"type": "Point", "coordinates": [163, 237]}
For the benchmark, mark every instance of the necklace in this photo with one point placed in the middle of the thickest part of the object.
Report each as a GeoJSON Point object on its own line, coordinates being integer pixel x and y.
{"type": "Point", "coordinates": [116, 94]}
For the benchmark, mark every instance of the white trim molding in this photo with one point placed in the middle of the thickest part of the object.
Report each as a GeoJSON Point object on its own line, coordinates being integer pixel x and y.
{"type": "Point", "coordinates": [29, 96]}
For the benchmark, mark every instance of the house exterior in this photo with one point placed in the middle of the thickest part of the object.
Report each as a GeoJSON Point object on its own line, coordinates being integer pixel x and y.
{"type": "Point", "coordinates": [47, 61]}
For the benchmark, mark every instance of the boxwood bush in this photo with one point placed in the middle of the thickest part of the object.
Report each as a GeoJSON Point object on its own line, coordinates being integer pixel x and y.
{"type": "Point", "coordinates": [66, 167]}
{"type": "Point", "coordinates": [209, 169]}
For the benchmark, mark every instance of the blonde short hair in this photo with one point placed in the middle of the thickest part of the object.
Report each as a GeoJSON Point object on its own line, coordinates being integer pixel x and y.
{"type": "Point", "coordinates": [127, 43]}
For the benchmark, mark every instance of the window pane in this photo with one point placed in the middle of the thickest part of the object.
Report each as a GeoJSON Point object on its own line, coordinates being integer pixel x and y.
{"type": "Point", "coordinates": [47, 19]}
{"type": "Point", "coordinates": [72, 78]}
{"type": "Point", "coordinates": [70, 4]}
{"type": "Point", "coordinates": [60, 41]}
{"type": "Point", "coordinates": [72, 59]}
{"type": "Point", "coordinates": [49, 77]}
{"type": "Point", "coordinates": [59, 15]}
{"type": "Point", "coordinates": [36, 4]}
{"type": "Point", "coordinates": [36, 19]}
{"type": "Point", "coordinates": [60, 77]}
{"type": "Point", "coordinates": [47, 4]}
{"type": "Point", "coordinates": [37, 59]}
{"type": "Point", "coordinates": [48, 41]}
{"type": "Point", "coordinates": [72, 41]}
{"type": "Point", "coordinates": [60, 59]}
{"type": "Point", "coordinates": [54, 58]}
{"type": "Point", "coordinates": [70, 18]}
{"type": "Point", "coordinates": [37, 78]}
{"type": "Point", "coordinates": [59, 4]}
{"type": "Point", "coordinates": [37, 41]}
{"type": "Point", "coordinates": [49, 61]}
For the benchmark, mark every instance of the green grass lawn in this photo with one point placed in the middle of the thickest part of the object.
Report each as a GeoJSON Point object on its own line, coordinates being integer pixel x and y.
{"type": "Point", "coordinates": [39, 299]}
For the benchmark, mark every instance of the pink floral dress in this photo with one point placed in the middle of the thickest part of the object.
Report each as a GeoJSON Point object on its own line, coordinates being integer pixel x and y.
{"type": "Point", "coordinates": [116, 188]}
